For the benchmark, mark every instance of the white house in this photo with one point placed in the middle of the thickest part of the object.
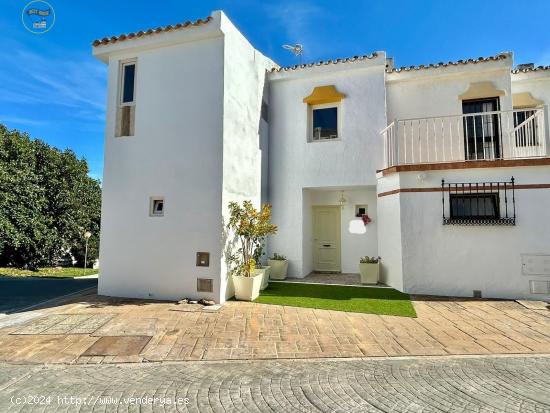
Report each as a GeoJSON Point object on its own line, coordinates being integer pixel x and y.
{"type": "Point", "coordinates": [449, 161]}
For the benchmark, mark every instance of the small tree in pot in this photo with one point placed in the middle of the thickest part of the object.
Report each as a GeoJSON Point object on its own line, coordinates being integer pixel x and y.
{"type": "Point", "coordinates": [250, 226]}
{"type": "Point", "coordinates": [369, 267]}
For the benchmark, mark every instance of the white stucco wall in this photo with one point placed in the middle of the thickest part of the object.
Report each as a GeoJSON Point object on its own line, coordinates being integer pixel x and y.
{"type": "Point", "coordinates": [295, 163]}
{"type": "Point", "coordinates": [176, 153]}
{"type": "Point", "coordinates": [434, 92]}
{"type": "Point", "coordinates": [196, 143]}
{"type": "Point", "coordinates": [389, 232]}
{"type": "Point", "coordinates": [455, 260]}
{"type": "Point", "coordinates": [244, 133]}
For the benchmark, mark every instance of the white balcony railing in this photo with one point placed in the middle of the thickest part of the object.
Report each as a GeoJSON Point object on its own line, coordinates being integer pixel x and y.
{"type": "Point", "coordinates": [514, 134]}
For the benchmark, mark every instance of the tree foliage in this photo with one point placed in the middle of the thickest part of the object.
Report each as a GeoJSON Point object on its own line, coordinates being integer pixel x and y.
{"type": "Point", "coordinates": [47, 202]}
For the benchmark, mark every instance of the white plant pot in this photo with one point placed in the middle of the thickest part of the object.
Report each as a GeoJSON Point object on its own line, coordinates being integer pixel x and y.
{"type": "Point", "coordinates": [279, 269]}
{"type": "Point", "coordinates": [369, 273]}
{"type": "Point", "coordinates": [264, 271]}
{"type": "Point", "coordinates": [247, 288]}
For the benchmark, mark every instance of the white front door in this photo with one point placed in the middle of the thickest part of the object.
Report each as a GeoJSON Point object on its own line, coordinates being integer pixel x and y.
{"type": "Point", "coordinates": [326, 238]}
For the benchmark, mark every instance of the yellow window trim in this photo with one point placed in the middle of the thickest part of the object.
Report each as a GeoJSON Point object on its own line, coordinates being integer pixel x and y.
{"type": "Point", "coordinates": [525, 100]}
{"type": "Point", "coordinates": [324, 94]}
{"type": "Point", "coordinates": [479, 90]}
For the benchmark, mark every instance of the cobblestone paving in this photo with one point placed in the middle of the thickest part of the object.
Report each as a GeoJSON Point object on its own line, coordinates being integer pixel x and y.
{"type": "Point", "coordinates": [481, 384]}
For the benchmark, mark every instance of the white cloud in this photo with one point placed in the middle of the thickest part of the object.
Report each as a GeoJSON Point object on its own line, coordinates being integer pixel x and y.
{"type": "Point", "coordinates": [7, 119]}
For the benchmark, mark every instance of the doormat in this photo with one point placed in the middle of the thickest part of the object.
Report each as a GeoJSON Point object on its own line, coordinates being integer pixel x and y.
{"type": "Point", "coordinates": [64, 324]}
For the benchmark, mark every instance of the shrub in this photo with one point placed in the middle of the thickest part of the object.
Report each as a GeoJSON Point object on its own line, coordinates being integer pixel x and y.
{"type": "Point", "coordinates": [250, 226]}
{"type": "Point", "coordinates": [369, 260]}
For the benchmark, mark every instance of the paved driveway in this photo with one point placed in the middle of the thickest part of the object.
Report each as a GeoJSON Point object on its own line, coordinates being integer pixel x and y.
{"type": "Point", "coordinates": [486, 384]}
{"type": "Point", "coordinates": [93, 329]}
{"type": "Point", "coordinates": [20, 292]}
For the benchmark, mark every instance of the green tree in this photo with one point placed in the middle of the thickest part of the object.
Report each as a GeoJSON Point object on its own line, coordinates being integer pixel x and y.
{"type": "Point", "coordinates": [47, 202]}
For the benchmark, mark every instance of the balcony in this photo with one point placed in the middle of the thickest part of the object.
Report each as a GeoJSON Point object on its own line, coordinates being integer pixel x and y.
{"type": "Point", "coordinates": [498, 135]}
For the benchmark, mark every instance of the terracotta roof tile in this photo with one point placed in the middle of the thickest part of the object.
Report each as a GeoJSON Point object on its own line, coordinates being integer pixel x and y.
{"type": "Point", "coordinates": [531, 69]}
{"type": "Point", "coordinates": [443, 64]}
{"type": "Point", "coordinates": [122, 37]}
{"type": "Point", "coordinates": [323, 63]}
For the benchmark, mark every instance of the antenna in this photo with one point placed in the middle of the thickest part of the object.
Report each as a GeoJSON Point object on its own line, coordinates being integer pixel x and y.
{"type": "Point", "coordinates": [297, 50]}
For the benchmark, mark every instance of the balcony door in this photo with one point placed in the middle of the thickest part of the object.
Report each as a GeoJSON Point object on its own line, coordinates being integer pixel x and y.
{"type": "Point", "coordinates": [481, 132]}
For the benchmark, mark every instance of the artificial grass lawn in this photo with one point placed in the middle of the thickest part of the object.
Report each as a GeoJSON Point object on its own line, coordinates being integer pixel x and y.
{"type": "Point", "coordinates": [59, 272]}
{"type": "Point", "coordinates": [373, 300]}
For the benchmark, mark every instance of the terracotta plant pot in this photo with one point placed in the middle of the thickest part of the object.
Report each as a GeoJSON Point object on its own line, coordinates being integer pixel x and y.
{"type": "Point", "coordinates": [247, 288]}
{"type": "Point", "coordinates": [279, 269]}
{"type": "Point", "coordinates": [264, 271]}
{"type": "Point", "coordinates": [369, 273]}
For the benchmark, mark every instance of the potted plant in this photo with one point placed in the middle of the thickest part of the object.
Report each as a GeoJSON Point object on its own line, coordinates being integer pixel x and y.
{"type": "Point", "coordinates": [264, 270]}
{"type": "Point", "coordinates": [279, 266]}
{"type": "Point", "coordinates": [250, 227]}
{"type": "Point", "coordinates": [369, 269]}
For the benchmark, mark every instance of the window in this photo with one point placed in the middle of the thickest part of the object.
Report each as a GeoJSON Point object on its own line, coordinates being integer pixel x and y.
{"type": "Point", "coordinates": [481, 132]}
{"type": "Point", "coordinates": [157, 207]}
{"type": "Point", "coordinates": [128, 83]}
{"type": "Point", "coordinates": [479, 203]}
{"type": "Point", "coordinates": [126, 110]}
{"type": "Point", "coordinates": [324, 123]}
{"type": "Point", "coordinates": [477, 206]}
{"type": "Point", "coordinates": [525, 126]}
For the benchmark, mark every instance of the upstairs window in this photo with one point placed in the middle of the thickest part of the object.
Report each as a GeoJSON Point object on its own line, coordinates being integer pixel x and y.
{"type": "Point", "coordinates": [128, 83]}
{"type": "Point", "coordinates": [126, 110]}
{"type": "Point", "coordinates": [526, 127]}
{"type": "Point", "coordinates": [324, 123]}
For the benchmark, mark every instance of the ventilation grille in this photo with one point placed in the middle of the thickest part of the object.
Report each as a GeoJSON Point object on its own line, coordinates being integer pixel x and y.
{"type": "Point", "coordinates": [205, 285]}
{"type": "Point", "coordinates": [539, 287]}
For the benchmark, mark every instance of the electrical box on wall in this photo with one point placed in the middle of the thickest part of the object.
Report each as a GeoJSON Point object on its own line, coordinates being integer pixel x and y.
{"type": "Point", "coordinates": [535, 264]}
{"type": "Point", "coordinates": [203, 259]}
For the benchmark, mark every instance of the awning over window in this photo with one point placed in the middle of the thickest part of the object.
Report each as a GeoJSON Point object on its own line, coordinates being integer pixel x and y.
{"type": "Point", "coordinates": [525, 100]}
{"type": "Point", "coordinates": [324, 94]}
{"type": "Point", "coordinates": [480, 90]}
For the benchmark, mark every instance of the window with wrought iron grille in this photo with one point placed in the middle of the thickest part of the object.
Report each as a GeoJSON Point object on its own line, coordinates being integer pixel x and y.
{"type": "Point", "coordinates": [478, 203]}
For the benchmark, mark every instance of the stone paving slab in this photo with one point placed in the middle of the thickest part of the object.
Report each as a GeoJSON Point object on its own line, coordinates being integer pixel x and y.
{"type": "Point", "coordinates": [251, 331]}
{"type": "Point", "coordinates": [118, 346]}
{"type": "Point", "coordinates": [447, 384]}
{"type": "Point", "coordinates": [65, 324]}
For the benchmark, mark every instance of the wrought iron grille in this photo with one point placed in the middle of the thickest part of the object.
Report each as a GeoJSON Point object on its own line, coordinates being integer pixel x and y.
{"type": "Point", "coordinates": [478, 203]}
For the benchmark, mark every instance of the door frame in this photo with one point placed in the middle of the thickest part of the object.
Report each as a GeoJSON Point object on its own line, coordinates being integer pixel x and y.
{"type": "Point", "coordinates": [474, 122]}
{"type": "Point", "coordinates": [338, 209]}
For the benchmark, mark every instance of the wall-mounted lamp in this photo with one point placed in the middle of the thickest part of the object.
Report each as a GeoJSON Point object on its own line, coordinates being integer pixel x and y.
{"type": "Point", "coordinates": [342, 201]}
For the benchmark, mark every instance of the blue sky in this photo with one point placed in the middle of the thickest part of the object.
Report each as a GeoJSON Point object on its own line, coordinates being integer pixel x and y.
{"type": "Point", "coordinates": [53, 89]}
